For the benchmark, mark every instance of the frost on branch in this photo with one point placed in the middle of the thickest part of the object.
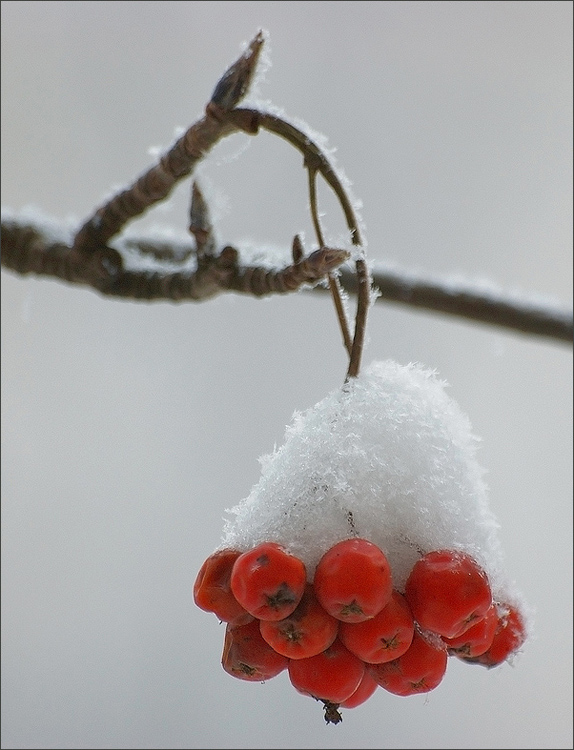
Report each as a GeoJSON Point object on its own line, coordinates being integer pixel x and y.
{"type": "Point", "coordinates": [389, 457]}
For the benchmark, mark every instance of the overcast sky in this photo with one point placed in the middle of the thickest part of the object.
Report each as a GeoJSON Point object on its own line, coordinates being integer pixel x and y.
{"type": "Point", "coordinates": [129, 428]}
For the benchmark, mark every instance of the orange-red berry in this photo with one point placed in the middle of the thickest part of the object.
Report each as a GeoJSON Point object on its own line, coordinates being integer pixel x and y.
{"type": "Point", "coordinates": [477, 639]}
{"type": "Point", "coordinates": [447, 592]}
{"type": "Point", "coordinates": [353, 580]}
{"type": "Point", "coordinates": [333, 675]}
{"type": "Point", "coordinates": [384, 637]}
{"type": "Point", "coordinates": [212, 588]}
{"type": "Point", "coordinates": [366, 688]}
{"type": "Point", "coordinates": [509, 636]}
{"type": "Point", "coordinates": [419, 670]}
{"type": "Point", "coordinates": [247, 656]}
{"type": "Point", "coordinates": [268, 581]}
{"type": "Point", "coordinates": [307, 631]}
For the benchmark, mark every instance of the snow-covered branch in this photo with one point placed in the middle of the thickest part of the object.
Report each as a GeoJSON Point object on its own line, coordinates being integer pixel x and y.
{"type": "Point", "coordinates": [183, 269]}
{"type": "Point", "coordinates": [149, 269]}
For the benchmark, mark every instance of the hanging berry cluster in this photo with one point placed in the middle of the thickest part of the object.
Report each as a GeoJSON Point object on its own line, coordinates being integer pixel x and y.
{"type": "Point", "coordinates": [349, 631]}
{"type": "Point", "coordinates": [366, 555]}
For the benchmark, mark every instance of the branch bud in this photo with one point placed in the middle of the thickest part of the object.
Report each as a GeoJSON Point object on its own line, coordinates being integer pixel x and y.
{"type": "Point", "coordinates": [234, 83]}
{"type": "Point", "coordinates": [199, 221]}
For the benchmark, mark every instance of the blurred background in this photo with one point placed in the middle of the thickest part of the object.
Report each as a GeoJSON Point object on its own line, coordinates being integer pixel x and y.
{"type": "Point", "coordinates": [129, 428]}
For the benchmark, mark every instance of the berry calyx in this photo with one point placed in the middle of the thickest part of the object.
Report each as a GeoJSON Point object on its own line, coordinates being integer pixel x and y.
{"type": "Point", "coordinates": [384, 637]}
{"type": "Point", "coordinates": [353, 580]}
{"type": "Point", "coordinates": [447, 592]}
{"type": "Point", "coordinates": [307, 631]}
{"type": "Point", "coordinates": [268, 581]}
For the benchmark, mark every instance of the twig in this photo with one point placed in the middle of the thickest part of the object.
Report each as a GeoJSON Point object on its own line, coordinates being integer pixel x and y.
{"type": "Point", "coordinates": [250, 120]}
{"type": "Point", "coordinates": [334, 286]}
{"type": "Point", "coordinates": [467, 301]}
{"type": "Point", "coordinates": [28, 249]}
{"type": "Point", "coordinates": [363, 302]}
{"type": "Point", "coordinates": [157, 183]}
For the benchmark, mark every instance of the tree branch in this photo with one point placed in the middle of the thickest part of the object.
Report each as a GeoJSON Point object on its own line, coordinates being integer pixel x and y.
{"type": "Point", "coordinates": [469, 301]}
{"type": "Point", "coordinates": [29, 248]}
{"type": "Point", "coordinates": [151, 270]}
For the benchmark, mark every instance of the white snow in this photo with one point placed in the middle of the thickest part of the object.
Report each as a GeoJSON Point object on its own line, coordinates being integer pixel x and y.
{"type": "Point", "coordinates": [389, 457]}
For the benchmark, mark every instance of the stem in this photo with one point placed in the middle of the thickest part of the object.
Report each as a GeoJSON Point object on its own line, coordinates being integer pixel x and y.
{"type": "Point", "coordinates": [334, 285]}
{"type": "Point", "coordinates": [363, 302]}
{"type": "Point", "coordinates": [251, 120]}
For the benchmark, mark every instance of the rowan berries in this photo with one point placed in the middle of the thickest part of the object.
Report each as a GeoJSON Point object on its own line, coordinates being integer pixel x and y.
{"type": "Point", "coordinates": [307, 631]}
{"type": "Point", "coordinates": [268, 581]}
{"type": "Point", "coordinates": [333, 675]}
{"type": "Point", "coordinates": [348, 631]}
{"type": "Point", "coordinates": [212, 588]}
{"type": "Point", "coordinates": [247, 656]}
{"type": "Point", "coordinates": [447, 592]}
{"type": "Point", "coordinates": [353, 580]}
{"type": "Point", "coordinates": [385, 636]}
{"type": "Point", "coordinates": [419, 670]}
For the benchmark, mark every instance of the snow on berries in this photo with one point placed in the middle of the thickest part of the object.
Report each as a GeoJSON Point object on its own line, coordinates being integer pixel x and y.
{"type": "Point", "coordinates": [366, 555]}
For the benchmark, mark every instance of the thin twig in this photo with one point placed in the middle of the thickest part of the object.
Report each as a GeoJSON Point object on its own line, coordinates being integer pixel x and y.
{"type": "Point", "coordinates": [334, 285]}
{"type": "Point", "coordinates": [250, 120]}
{"type": "Point", "coordinates": [157, 183]}
{"type": "Point", "coordinates": [27, 249]}
{"type": "Point", "coordinates": [363, 303]}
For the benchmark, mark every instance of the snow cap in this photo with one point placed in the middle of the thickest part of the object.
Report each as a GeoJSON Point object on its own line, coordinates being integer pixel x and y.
{"type": "Point", "coordinates": [389, 457]}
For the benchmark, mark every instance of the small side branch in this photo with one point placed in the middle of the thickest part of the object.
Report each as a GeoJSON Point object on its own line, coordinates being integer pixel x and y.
{"type": "Point", "coordinates": [178, 162]}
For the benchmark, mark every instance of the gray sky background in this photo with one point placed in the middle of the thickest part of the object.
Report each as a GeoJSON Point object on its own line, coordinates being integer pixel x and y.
{"type": "Point", "coordinates": [128, 428]}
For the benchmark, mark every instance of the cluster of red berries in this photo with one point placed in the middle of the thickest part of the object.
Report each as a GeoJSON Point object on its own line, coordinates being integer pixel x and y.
{"type": "Point", "coordinates": [350, 631]}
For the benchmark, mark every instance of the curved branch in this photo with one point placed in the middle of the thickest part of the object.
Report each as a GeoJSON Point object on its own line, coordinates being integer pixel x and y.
{"type": "Point", "coordinates": [250, 120]}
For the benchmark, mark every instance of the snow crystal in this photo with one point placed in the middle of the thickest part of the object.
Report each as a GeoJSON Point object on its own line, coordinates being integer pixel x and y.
{"type": "Point", "coordinates": [389, 457]}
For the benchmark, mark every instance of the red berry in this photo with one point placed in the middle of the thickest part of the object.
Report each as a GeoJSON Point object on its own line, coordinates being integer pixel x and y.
{"type": "Point", "coordinates": [353, 580]}
{"type": "Point", "coordinates": [384, 637]}
{"type": "Point", "coordinates": [366, 688]}
{"type": "Point", "coordinates": [268, 581]}
{"type": "Point", "coordinates": [477, 639]}
{"type": "Point", "coordinates": [212, 589]}
{"type": "Point", "coordinates": [307, 631]}
{"type": "Point", "coordinates": [333, 675]}
{"type": "Point", "coordinates": [447, 592]}
{"type": "Point", "coordinates": [419, 670]}
{"type": "Point", "coordinates": [247, 656]}
{"type": "Point", "coordinates": [509, 637]}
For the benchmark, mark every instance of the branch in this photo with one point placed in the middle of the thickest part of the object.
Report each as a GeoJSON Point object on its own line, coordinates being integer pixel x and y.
{"type": "Point", "coordinates": [463, 299]}
{"type": "Point", "coordinates": [30, 248]}
{"type": "Point", "coordinates": [127, 270]}
{"type": "Point", "coordinates": [151, 270]}
{"type": "Point", "coordinates": [158, 182]}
